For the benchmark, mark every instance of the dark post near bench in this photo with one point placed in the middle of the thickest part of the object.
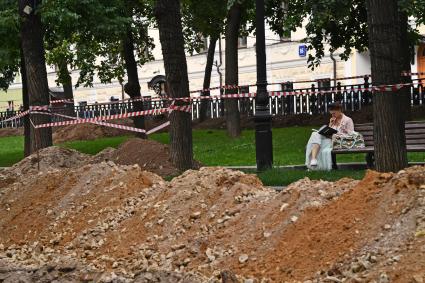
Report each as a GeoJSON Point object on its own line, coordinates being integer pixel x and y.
{"type": "Point", "coordinates": [262, 118]}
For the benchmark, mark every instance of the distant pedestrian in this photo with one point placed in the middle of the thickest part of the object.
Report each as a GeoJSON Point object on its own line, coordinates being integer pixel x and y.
{"type": "Point", "coordinates": [319, 147]}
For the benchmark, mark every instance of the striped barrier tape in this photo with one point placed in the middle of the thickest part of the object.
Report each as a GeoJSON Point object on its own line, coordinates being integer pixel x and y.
{"type": "Point", "coordinates": [110, 125]}
{"type": "Point", "coordinates": [20, 115]}
{"type": "Point", "coordinates": [104, 118]}
{"type": "Point", "coordinates": [62, 101]}
{"type": "Point", "coordinates": [186, 108]}
{"type": "Point", "coordinates": [408, 74]}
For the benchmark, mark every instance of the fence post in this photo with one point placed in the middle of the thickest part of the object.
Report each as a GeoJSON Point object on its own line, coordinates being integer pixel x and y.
{"type": "Point", "coordinates": [315, 109]}
{"type": "Point", "coordinates": [366, 99]}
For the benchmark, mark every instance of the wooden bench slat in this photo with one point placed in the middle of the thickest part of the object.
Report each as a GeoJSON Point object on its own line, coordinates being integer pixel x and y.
{"type": "Point", "coordinates": [415, 137]}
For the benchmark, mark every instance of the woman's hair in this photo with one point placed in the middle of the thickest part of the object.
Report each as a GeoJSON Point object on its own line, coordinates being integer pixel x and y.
{"type": "Point", "coordinates": [336, 106]}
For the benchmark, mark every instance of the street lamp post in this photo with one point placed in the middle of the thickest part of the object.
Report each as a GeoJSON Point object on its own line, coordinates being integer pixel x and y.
{"type": "Point", "coordinates": [262, 118]}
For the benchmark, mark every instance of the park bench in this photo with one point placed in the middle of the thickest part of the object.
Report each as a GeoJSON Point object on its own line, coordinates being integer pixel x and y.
{"type": "Point", "coordinates": [415, 141]}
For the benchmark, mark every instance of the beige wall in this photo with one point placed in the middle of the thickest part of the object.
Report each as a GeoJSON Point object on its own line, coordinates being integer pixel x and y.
{"type": "Point", "coordinates": [283, 64]}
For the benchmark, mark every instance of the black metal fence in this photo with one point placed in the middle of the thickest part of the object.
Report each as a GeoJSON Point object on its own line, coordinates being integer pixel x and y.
{"type": "Point", "coordinates": [308, 101]}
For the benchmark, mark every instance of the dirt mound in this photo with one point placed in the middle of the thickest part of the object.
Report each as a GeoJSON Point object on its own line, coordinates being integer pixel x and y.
{"type": "Point", "coordinates": [50, 158]}
{"type": "Point", "coordinates": [120, 219]}
{"type": "Point", "coordinates": [9, 132]}
{"type": "Point", "coordinates": [93, 131]}
{"type": "Point", "coordinates": [89, 131]}
{"type": "Point", "coordinates": [148, 154]}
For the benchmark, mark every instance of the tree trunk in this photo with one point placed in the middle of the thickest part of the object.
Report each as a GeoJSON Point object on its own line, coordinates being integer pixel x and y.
{"type": "Point", "coordinates": [207, 79]}
{"type": "Point", "coordinates": [233, 121]}
{"type": "Point", "coordinates": [67, 88]}
{"type": "Point", "coordinates": [167, 13]}
{"type": "Point", "coordinates": [385, 49]}
{"type": "Point", "coordinates": [35, 64]}
{"type": "Point", "coordinates": [406, 53]}
{"type": "Point", "coordinates": [25, 100]}
{"type": "Point", "coordinates": [132, 87]}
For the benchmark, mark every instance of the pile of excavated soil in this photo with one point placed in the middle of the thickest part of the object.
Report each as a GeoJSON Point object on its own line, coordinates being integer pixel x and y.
{"type": "Point", "coordinates": [148, 154]}
{"type": "Point", "coordinates": [89, 131]}
{"type": "Point", "coordinates": [120, 220]}
{"type": "Point", "coordinates": [49, 158]}
{"type": "Point", "coordinates": [9, 132]}
{"type": "Point", "coordinates": [93, 131]}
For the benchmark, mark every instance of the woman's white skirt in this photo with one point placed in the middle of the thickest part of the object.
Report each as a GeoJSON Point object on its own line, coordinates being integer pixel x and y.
{"type": "Point", "coordinates": [324, 158]}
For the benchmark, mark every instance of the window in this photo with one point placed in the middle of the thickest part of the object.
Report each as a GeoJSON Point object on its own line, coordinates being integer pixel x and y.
{"type": "Point", "coordinates": [242, 42]}
{"type": "Point", "coordinates": [288, 86]}
{"type": "Point", "coordinates": [244, 89]}
{"type": "Point", "coordinates": [324, 84]}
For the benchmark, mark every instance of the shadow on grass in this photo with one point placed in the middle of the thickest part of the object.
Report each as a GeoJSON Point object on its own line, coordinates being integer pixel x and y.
{"type": "Point", "coordinates": [282, 177]}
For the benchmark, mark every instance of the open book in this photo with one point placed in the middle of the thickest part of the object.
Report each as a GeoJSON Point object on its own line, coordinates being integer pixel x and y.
{"type": "Point", "coordinates": [326, 131]}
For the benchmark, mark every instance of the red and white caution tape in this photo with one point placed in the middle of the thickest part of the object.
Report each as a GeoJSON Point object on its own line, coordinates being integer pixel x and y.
{"type": "Point", "coordinates": [31, 110]}
{"type": "Point", "coordinates": [110, 125]}
{"type": "Point", "coordinates": [408, 74]}
{"type": "Point", "coordinates": [20, 115]}
{"type": "Point", "coordinates": [186, 108]}
{"type": "Point", "coordinates": [116, 126]}
{"type": "Point", "coordinates": [62, 101]}
{"type": "Point", "coordinates": [39, 108]}
{"type": "Point", "coordinates": [160, 127]}
{"type": "Point", "coordinates": [104, 118]}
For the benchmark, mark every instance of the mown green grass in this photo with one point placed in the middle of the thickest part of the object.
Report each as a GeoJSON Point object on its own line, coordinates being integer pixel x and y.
{"type": "Point", "coordinates": [215, 148]}
{"type": "Point", "coordinates": [282, 177]}
{"type": "Point", "coordinates": [95, 146]}
{"type": "Point", "coordinates": [11, 150]}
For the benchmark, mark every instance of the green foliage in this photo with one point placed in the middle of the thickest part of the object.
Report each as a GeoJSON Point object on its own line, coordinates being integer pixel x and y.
{"type": "Point", "coordinates": [201, 18]}
{"type": "Point", "coordinates": [339, 23]}
{"type": "Point", "coordinates": [9, 43]}
{"type": "Point", "coordinates": [81, 32]}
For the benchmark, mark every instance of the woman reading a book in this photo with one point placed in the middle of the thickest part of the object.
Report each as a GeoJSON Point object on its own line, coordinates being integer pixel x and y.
{"type": "Point", "coordinates": [319, 147]}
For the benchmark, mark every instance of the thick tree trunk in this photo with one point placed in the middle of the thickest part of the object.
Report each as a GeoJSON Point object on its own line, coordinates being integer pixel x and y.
{"type": "Point", "coordinates": [406, 53]}
{"type": "Point", "coordinates": [25, 100]}
{"type": "Point", "coordinates": [167, 13]}
{"type": "Point", "coordinates": [233, 121]}
{"type": "Point", "coordinates": [67, 88]}
{"type": "Point", "coordinates": [385, 49]}
{"type": "Point", "coordinates": [132, 87]}
{"type": "Point", "coordinates": [207, 79]}
{"type": "Point", "coordinates": [33, 50]}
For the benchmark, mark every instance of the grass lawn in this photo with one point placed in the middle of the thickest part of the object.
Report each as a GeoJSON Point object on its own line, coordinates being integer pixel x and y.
{"type": "Point", "coordinates": [282, 177]}
{"type": "Point", "coordinates": [214, 148]}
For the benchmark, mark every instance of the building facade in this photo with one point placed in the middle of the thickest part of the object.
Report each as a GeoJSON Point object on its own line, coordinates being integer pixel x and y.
{"type": "Point", "coordinates": [286, 61]}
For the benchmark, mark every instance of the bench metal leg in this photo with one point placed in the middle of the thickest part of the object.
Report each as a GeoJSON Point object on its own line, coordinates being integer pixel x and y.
{"type": "Point", "coordinates": [370, 160]}
{"type": "Point", "coordinates": [334, 165]}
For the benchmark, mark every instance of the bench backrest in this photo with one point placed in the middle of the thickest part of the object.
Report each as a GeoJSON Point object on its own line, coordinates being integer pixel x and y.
{"type": "Point", "coordinates": [415, 133]}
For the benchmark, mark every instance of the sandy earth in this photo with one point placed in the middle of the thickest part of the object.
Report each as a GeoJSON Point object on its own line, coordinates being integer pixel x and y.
{"type": "Point", "coordinates": [79, 221]}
